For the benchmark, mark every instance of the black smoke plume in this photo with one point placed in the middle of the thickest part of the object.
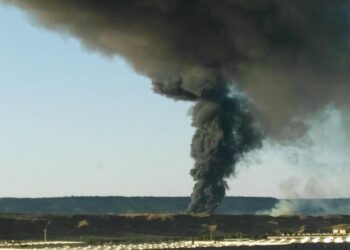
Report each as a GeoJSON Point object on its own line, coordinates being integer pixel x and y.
{"type": "Point", "coordinates": [291, 58]}
{"type": "Point", "coordinates": [225, 130]}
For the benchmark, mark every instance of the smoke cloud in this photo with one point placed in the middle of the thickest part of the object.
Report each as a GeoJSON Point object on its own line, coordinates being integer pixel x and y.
{"type": "Point", "coordinates": [290, 58]}
{"type": "Point", "coordinates": [315, 206]}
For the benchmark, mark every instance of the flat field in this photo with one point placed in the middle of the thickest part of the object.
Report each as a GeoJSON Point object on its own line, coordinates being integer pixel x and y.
{"type": "Point", "coordinates": [141, 227]}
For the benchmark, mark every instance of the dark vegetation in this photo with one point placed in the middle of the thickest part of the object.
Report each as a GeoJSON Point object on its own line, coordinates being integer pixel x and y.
{"type": "Point", "coordinates": [121, 205]}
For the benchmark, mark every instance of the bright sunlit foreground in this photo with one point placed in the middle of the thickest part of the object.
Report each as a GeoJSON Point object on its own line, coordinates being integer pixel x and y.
{"type": "Point", "coordinates": [277, 241]}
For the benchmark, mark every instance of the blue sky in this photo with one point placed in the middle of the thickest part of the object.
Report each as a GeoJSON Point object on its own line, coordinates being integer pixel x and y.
{"type": "Point", "coordinates": [73, 122]}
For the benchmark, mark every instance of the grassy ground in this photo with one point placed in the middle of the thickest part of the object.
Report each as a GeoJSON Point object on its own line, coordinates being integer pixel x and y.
{"type": "Point", "coordinates": [141, 227]}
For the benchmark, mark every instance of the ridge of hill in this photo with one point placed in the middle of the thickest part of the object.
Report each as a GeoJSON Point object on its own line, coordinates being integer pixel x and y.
{"type": "Point", "coordinates": [122, 205]}
{"type": "Point", "coordinates": [102, 205]}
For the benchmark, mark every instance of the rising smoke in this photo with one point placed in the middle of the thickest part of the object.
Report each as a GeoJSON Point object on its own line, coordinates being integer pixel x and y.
{"type": "Point", "coordinates": [317, 206]}
{"type": "Point", "coordinates": [290, 58]}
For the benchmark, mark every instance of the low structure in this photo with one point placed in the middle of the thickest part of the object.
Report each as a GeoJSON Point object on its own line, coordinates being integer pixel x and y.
{"type": "Point", "coordinates": [339, 232]}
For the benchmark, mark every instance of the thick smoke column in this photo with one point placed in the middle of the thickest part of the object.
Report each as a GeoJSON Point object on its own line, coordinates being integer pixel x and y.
{"type": "Point", "coordinates": [224, 131]}
{"type": "Point", "coordinates": [291, 58]}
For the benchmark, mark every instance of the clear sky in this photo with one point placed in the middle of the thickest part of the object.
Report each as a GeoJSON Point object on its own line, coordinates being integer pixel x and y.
{"type": "Point", "coordinates": [73, 122]}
